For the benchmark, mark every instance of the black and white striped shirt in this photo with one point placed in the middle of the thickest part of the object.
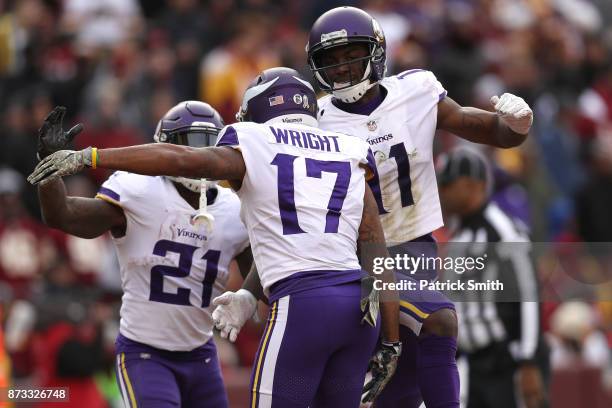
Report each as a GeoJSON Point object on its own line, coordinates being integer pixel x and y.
{"type": "Point", "coordinates": [511, 315]}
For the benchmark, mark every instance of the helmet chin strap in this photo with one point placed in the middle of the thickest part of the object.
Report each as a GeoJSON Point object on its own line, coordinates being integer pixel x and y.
{"type": "Point", "coordinates": [202, 217]}
{"type": "Point", "coordinates": [353, 93]}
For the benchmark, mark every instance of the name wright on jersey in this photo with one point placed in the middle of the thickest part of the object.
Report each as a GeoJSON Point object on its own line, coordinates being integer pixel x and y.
{"type": "Point", "coordinates": [305, 140]}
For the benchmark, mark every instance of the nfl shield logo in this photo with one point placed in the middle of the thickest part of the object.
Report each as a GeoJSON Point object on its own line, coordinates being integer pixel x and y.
{"type": "Point", "coordinates": [276, 100]}
{"type": "Point", "coordinates": [372, 126]}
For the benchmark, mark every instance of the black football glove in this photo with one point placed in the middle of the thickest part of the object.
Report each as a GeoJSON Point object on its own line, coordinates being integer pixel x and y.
{"type": "Point", "coordinates": [382, 366]}
{"type": "Point", "coordinates": [51, 135]}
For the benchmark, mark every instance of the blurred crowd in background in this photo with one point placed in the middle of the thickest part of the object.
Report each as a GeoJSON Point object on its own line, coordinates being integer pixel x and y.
{"type": "Point", "coordinates": [119, 65]}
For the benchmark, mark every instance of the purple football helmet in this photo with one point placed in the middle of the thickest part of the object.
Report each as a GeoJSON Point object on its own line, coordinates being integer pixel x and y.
{"type": "Point", "coordinates": [339, 27]}
{"type": "Point", "coordinates": [190, 123]}
{"type": "Point", "coordinates": [279, 92]}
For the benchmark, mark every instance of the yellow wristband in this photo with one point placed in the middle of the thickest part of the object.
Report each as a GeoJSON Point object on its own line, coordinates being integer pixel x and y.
{"type": "Point", "coordinates": [94, 157]}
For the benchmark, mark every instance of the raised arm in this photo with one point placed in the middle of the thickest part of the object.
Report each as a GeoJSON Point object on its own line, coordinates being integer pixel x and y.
{"type": "Point", "coordinates": [164, 159]}
{"type": "Point", "coordinates": [507, 127]}
{"type": "Point", "coordinates": [83, 217]}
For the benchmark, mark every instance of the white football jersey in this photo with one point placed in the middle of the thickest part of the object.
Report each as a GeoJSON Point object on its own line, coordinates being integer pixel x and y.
{"type": "Point", "coordinates": [302, 196]}
{"type": "Point", "coordinates": [400, 132]}
{"type": "Point", "coordinates": [170, 268]}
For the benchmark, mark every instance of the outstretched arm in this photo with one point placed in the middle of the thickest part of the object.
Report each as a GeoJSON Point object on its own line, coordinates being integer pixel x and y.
{"type": "Point", "coordinates": [216, 163]}
{"type": "Point", "coordinates": [79, 216]}
{"type": "Point", "coordinates": [164, 159]}
{"type": "Point", "coordinates": [507, 127]}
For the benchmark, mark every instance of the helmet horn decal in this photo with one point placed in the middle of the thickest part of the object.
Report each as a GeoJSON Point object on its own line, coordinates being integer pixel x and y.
{"type": "Point", "coordinates": [253, 92]}
{"type": "Point", "coordinates": [278, 93]}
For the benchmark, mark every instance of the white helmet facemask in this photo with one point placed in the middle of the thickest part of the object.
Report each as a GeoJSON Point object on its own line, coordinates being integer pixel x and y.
{"type": "Point", "coordinates": [347, 93]}
{"type": "Point", "coordinates": [353, 93]}
{"type": "Point", "coordinates": [197, 186]}
{"type": "Point", "coordinates": [190, 184]}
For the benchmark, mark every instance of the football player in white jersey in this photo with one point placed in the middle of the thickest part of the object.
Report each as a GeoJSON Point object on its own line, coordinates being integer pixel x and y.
{"type": "Point", "coordinates": [307, 205]}
{"type": "Point", "coordinates": [171, 265]}
{"type": "Point", "coordinates": [398, 116]}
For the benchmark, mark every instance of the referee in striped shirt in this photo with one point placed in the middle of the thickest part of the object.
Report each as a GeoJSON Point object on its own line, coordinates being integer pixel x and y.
{"type": "Point", "coordinates": [499, 331]}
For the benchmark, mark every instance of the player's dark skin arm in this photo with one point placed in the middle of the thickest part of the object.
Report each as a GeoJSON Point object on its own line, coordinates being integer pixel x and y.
{"type": "Point", "coordinates": [79, 216]}
{"type": "Point", "coordinates": [245, 261]}
{"type": "Point", "coordinates": [476, 125]}
{"type": "Point", "coordinates": [215, 163]}
{"type": "Point", "coordinates": [253, 284]}
{"type": "Point", "coordinates": [371, 244]}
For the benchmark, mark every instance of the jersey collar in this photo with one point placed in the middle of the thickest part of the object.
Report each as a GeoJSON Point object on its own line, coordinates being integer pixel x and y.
{"type": "Point", "coordinates": [362, 109]}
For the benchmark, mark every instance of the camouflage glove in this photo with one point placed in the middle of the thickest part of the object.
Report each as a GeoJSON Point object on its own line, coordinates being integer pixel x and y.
{"type": "Point", "coordinates": [62, 163]}
{"type": "Point", "coordinates": [369, 301]}
{"type": "Point", "coordinates": [382, 367]}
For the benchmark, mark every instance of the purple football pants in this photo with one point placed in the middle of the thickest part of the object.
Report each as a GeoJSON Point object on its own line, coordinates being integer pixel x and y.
{"type": "Point", "coordinates": [153, 378]}
{"type": "Point", "coordinates": [314, 351]}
